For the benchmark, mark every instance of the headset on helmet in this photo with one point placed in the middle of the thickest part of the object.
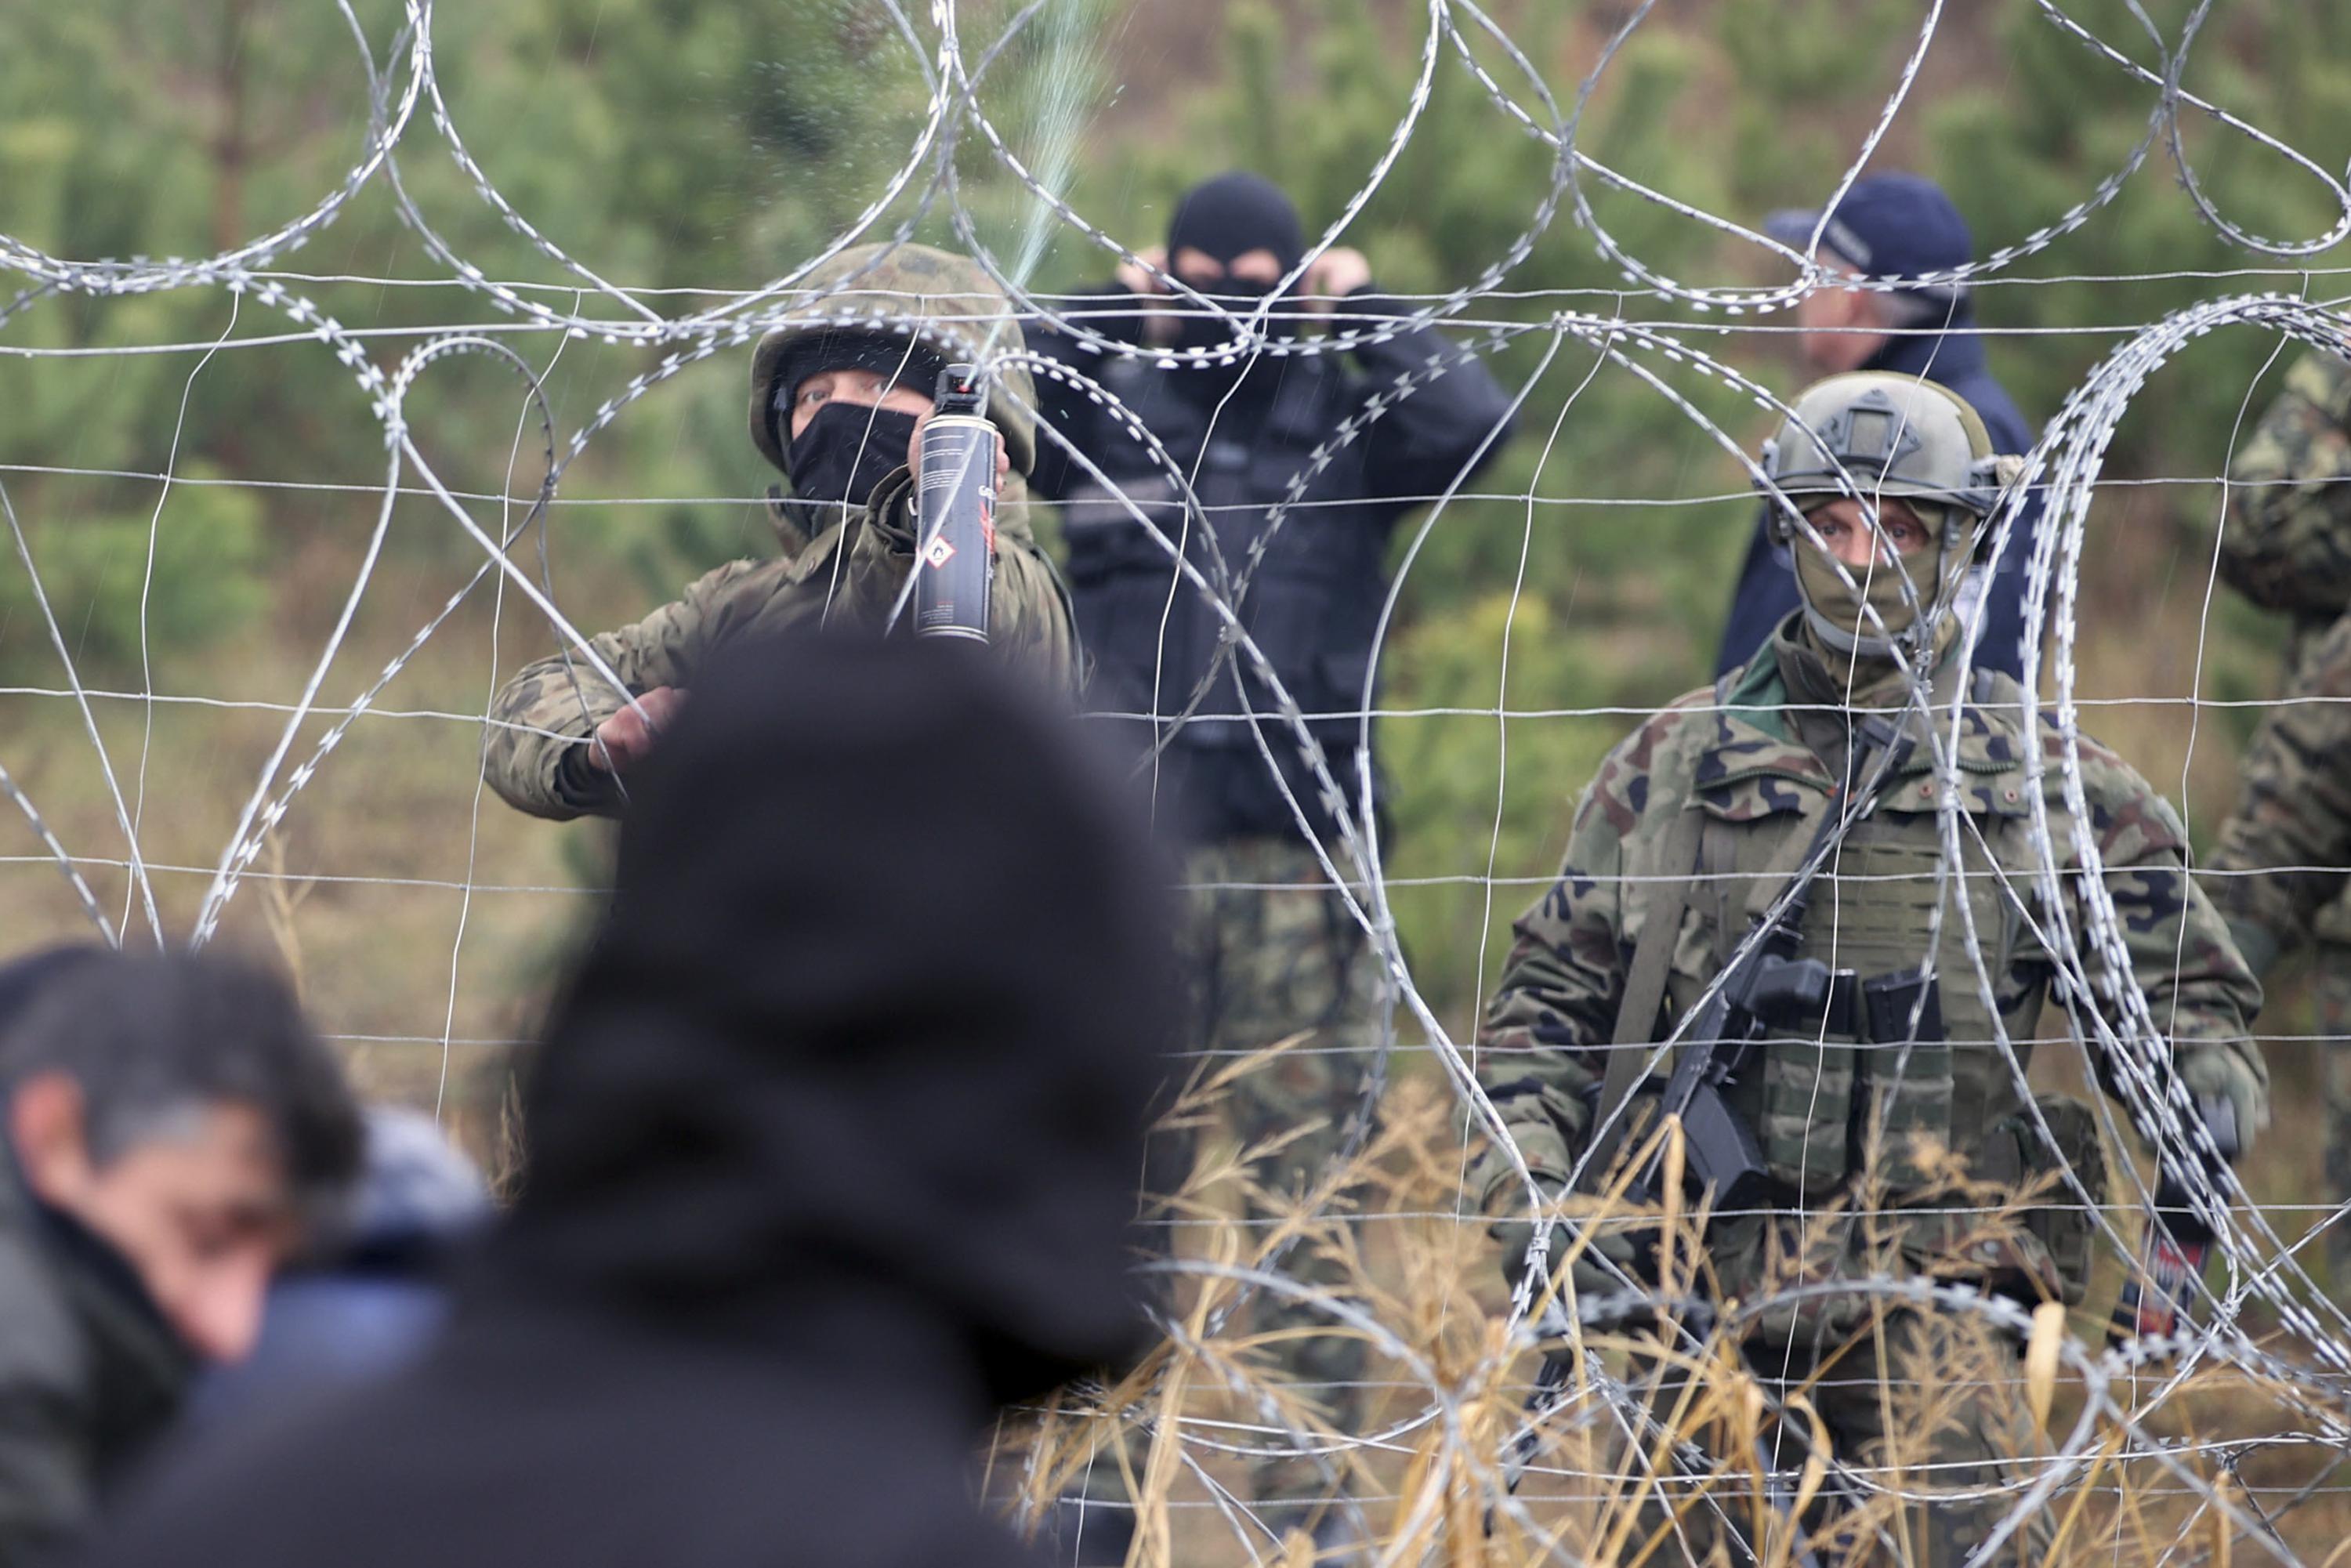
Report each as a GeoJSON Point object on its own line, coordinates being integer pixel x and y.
{"type": "Point", "coordinates": [1874, 433]}
{"type": "Point", "coordinates": [1873, 436]}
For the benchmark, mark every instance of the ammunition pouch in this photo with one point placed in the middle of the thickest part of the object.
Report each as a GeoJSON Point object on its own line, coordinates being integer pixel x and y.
{"type": "Point", "coordinates": [1807, 1086]}
{"type": "Point", "coordinates": [1904, 1125]}
{"type": "Point", "coordinates": [2057, 1218]}
{"type": "Point", "coordinates": [1857, 1076]}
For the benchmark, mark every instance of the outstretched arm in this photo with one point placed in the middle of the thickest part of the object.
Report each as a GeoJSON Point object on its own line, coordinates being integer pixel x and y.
{"type": "Point", "coordinates": [542, 721]}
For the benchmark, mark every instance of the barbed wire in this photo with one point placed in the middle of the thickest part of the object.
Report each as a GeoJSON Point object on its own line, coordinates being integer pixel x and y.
{"type": "Point", "coordinates": [2269, 1321]}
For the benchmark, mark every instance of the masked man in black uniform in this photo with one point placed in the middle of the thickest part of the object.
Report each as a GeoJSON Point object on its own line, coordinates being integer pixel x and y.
{"type": "Point", "coordinates": [1302, 463]}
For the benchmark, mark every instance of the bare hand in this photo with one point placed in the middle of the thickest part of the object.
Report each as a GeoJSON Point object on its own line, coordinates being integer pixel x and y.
{"type": "Point", "coordinates": [623, 740]}
{"type": "Point", "coordinates": [1158, 325]}
{"type": "Point", "coordinates": [1139, 280]}
{"type": "Point", "coordinates": [914, 452]}
{"type": "Point", "coordinates": [1336, 273]}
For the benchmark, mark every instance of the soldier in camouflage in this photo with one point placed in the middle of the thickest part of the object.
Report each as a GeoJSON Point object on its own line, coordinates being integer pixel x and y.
{"type": "Point", "coordinates": [2287, 546]}
{"type": "Point", "coordinates": [1694, 825]}
{"type": "Point", "coordinates": [840, 390]}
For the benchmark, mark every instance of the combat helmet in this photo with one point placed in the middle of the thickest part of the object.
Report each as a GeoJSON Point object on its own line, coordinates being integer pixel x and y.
{"type": "Point", "coordinates": [942, 307]}
{"type": "Point", "coordinates": [1873, 434]}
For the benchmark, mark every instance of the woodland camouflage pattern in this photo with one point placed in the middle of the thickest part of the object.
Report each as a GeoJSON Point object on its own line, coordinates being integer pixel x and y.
{"type": "Point", "coordinates": [2288, 543]}
{"type": "Point", "coordinates": [1763, 792]}
{"type": "Point", "coordinates": [1272, 955]}
{"type": "Point", "coordinates": [847, 573]}
{"type": "Point", "coordinates": [2292, 811]}
{"type": "Point", "coordinates": [2287, 546]}
{"type": "Point", "coordinates": [1859, 1134]}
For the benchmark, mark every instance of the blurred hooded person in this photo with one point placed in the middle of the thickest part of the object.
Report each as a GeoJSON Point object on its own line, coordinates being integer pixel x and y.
{"type": "Point", "coordinates": [1302, 463]}
{"type": "Point", "coordinates": [1900, 229]}
{"type": "Point", "coordinates": [840, 391]}
{"type": "Point", "coordinates": [834, 1138]}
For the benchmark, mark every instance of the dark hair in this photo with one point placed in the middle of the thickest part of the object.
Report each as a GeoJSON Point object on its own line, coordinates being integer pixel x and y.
{"type": "Point", "coordinates": [150, 1036]}
{"type": "Point", "coordinates": [23, 979]}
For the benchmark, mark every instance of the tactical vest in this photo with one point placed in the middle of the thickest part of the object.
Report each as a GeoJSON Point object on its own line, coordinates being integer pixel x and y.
{"type": "Point", "coordinates": [1316, 584]}
{"type": "Point", "coordinates": [1827, 1106]}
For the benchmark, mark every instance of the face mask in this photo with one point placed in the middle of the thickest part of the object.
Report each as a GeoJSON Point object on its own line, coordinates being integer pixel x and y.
{"type": "Point", "coordinates": [1196, 327]}
{"type": "Point", "coordinates": [846, 450]}
{"type": "Point", "coordinates": [1835, 610]}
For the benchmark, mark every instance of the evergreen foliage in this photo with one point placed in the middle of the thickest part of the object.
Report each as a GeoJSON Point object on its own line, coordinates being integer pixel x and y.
{"type": "Point", "coordinates": [688, 144]}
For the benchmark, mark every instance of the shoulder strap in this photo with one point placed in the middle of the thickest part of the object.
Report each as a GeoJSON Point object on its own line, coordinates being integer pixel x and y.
{"type": "Point", "coordinates": [1662, 903]}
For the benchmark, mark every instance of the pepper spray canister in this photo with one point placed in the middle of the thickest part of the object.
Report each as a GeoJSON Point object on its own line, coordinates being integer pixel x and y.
{"type": "Point", "coordinates": [954, 510]}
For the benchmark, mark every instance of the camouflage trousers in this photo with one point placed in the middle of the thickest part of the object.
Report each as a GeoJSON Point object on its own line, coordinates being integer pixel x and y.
{"type": "Point", "coordinates": [2330, 987]}
{"type": "Point", "coordinates": [1924, 1408]}
{"type": "Point", "coordinates": [1273, 954]}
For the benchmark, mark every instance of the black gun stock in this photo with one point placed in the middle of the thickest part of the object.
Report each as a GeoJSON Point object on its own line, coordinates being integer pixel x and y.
{"type": "Point", "coordinates": [1767, 988]}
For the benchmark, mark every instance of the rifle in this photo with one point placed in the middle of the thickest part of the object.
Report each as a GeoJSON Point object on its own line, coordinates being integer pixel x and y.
{"type": "Point", "coordinates": [2154, 1300]}
{"type": "Point", "coordinates": [1768, 988]}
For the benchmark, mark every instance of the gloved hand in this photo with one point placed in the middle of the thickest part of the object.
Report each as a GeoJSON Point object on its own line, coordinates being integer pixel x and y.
{"type": "Point", "coordinates": [1590, 1270]}
{"type": "Point", "coordinates": [1502, 1194]}
{"type": "Point", "coordinates": [2212, 1071]}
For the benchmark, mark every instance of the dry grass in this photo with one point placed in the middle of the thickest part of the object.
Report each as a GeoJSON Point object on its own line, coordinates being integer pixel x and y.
{"type": "Point", "coordinates": [426, 937]}
{"type": "Point", "coordinates": [2155, 1471]}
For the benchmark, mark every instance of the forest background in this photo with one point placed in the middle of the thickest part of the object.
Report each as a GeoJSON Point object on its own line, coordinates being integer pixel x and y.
{"type": "Point", "coordinates": [198, 505]}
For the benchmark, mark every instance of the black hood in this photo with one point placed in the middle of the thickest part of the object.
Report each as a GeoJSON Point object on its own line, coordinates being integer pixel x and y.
{"type": "Point", "coordinates": [1235, 213]}
{"type": "Point", "coordinates": [880, 1006]}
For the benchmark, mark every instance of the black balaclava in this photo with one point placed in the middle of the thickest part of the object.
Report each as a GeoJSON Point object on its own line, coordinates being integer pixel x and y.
{"type": "Point", "coordinates": [880, 1006]}
{"type": "Point", "coordinates": [848, 448]}
{"type": "Point", "coordinates": [1226, 217]}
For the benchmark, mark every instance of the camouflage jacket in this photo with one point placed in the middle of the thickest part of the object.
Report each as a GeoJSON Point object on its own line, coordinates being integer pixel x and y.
{"type": "Point", "coordinates": [2284, 863]}
{"type": "Point", "coordinates": [2287, 546]}
{"type": "Point", "coordinates": [541, 720]}
{"type": "Point", "coordinates": [1762, 792]}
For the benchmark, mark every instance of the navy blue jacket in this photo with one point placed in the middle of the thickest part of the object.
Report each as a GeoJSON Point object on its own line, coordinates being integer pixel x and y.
{"type": "Point", "coordinates": [1767, 583]}
{"type": "Point", "coordinates": [1281, 445]}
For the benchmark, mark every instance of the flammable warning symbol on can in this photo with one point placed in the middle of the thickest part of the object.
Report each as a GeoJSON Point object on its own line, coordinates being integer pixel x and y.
{"type": "Point", "coordinates": [940, 553]}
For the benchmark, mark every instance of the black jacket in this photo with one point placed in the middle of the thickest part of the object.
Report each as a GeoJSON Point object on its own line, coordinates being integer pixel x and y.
{"type": "Point", "coordinates": [1767, 582]}
{"type": "Point", "coordinates": [91, 1374]}
{"type": "Point", "coordinates": [833, 1144]}
{"type": "Point", "coordinates": [1294, 430]}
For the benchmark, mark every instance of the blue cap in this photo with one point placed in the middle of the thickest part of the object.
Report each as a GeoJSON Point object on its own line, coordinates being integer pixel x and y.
{"type": "Point", "coordinates": [1888, 225]}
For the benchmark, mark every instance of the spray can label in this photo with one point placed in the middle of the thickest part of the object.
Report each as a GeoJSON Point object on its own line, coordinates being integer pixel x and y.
{"type": "Point", "coordinates": [956, 513]}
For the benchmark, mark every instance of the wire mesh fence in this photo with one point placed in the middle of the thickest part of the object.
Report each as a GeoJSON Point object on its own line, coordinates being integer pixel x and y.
{"type": "Point", "coordinates": [250, 673]}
